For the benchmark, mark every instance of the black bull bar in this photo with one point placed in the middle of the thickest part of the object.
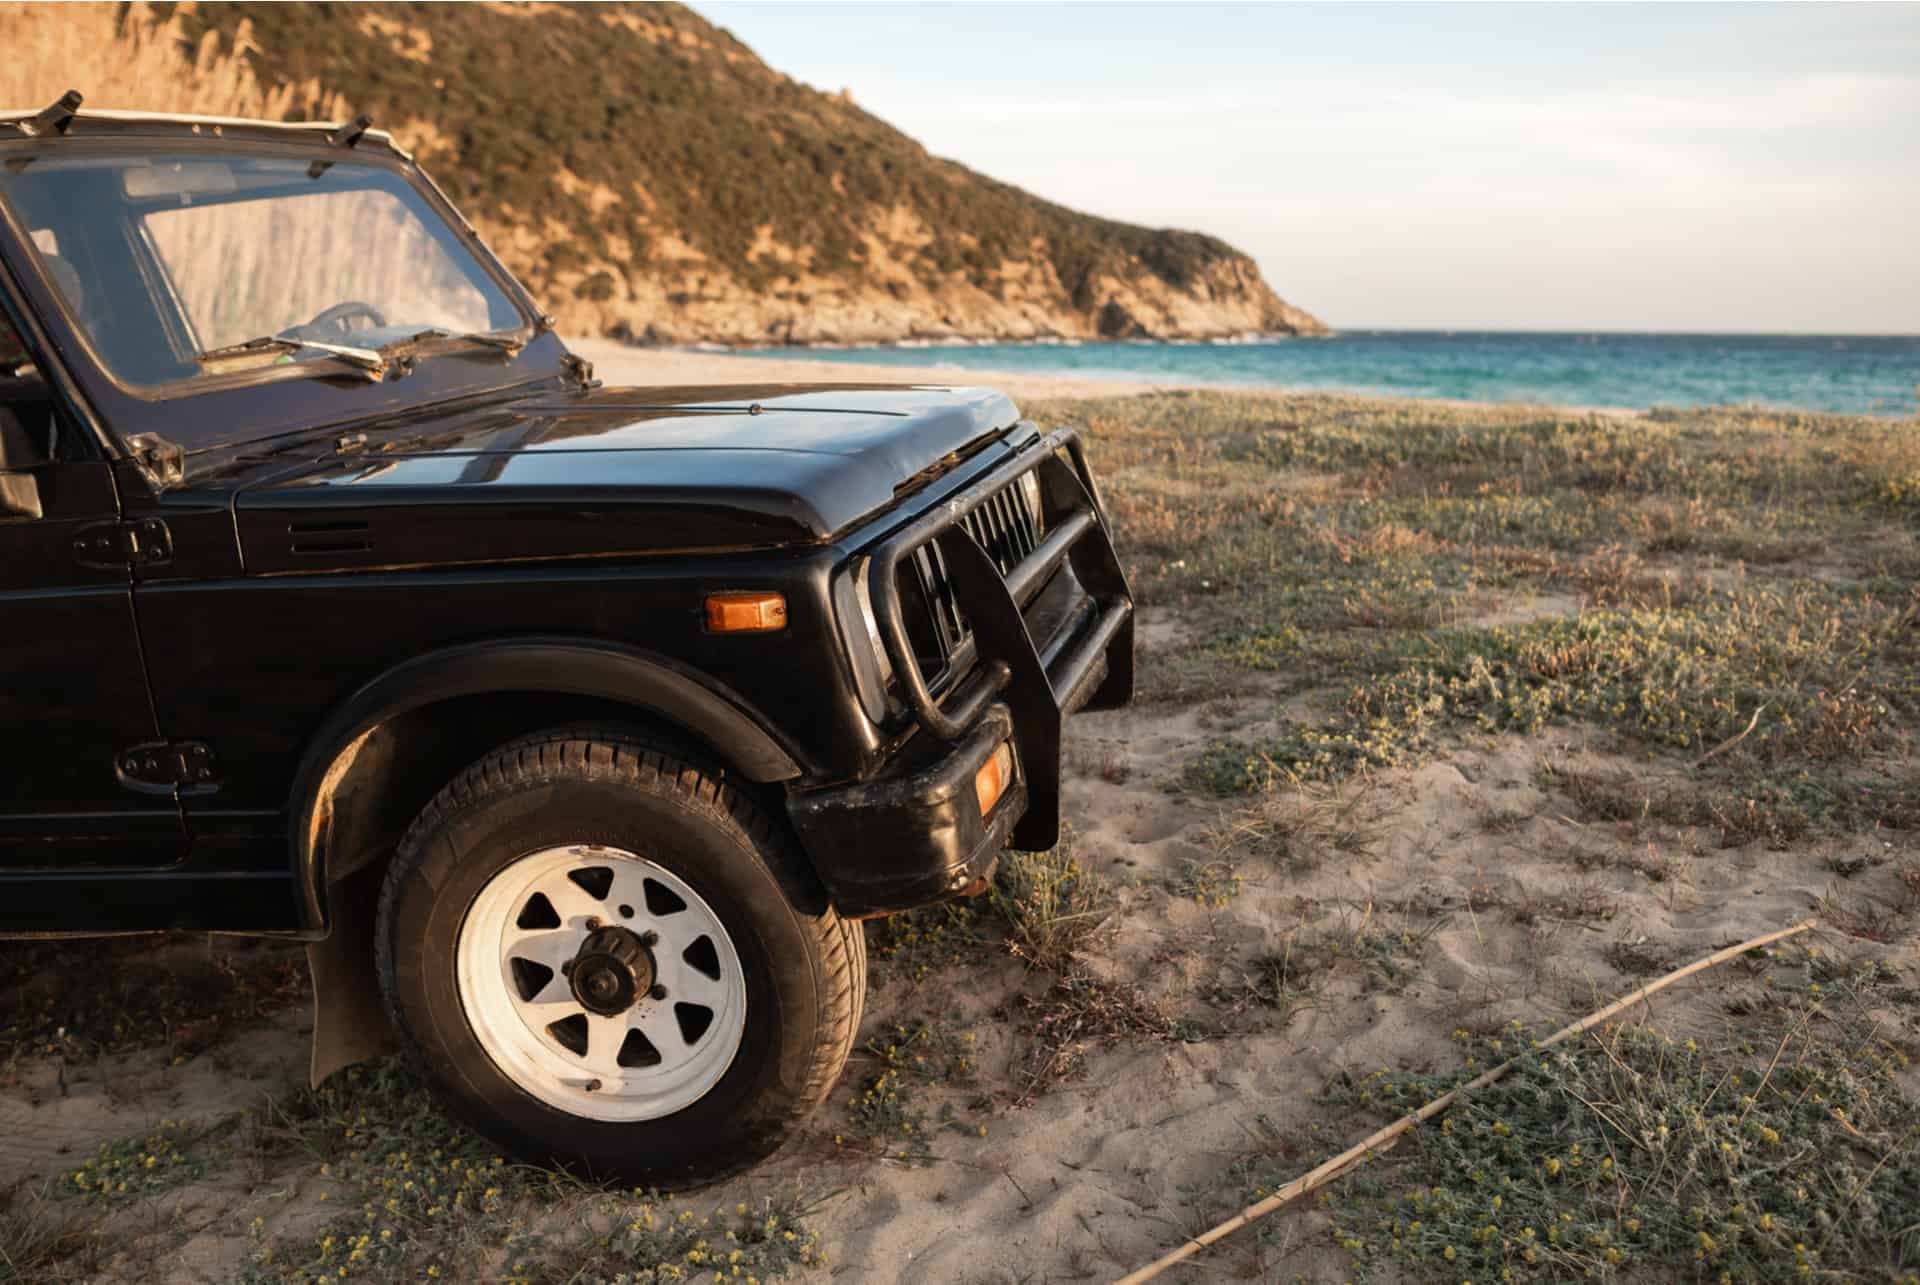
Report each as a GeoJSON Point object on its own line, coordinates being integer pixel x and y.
{"type": "Point", "coordinates": [1087, 662]}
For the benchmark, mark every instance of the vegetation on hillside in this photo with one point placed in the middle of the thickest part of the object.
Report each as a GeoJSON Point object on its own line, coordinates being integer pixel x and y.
{"type": "Point", "coordinates": [644, 168]}
{"type": "Point", "coordinates": [137, 60]}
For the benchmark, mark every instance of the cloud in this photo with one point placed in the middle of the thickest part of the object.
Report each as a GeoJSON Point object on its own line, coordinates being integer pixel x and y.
{"type": "Point", "coordinates": [1711, 183]}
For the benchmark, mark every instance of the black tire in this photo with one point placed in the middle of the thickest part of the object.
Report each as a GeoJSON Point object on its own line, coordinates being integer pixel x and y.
{"type": "Point", "coordinates": [804, 967]}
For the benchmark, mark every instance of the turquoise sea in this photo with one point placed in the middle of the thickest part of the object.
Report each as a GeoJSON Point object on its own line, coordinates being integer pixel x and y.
{"type": "Point", "coordinates": [1877, 375]}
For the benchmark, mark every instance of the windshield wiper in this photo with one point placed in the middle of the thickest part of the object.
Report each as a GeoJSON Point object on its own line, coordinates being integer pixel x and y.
{"type": "Point", "coordinates": [378, 363]}
{"type": "Point", "coordinates": [510, 344]}
{"type": "Point", "coordinates": [373, 362]}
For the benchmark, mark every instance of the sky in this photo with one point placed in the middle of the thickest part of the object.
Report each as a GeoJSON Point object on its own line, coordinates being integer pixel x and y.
{"type": "Point", "coordinates": [1554, 167]}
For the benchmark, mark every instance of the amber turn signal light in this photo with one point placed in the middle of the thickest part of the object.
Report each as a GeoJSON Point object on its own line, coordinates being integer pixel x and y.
{"type": "Point", "coordinates": [746, 613]}
{"type": "Point", "coordinates": [993, 778]}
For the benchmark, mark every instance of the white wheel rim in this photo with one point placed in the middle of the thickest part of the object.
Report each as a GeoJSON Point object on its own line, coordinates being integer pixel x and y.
{"type": "Point", "coordinates": [515, 950]}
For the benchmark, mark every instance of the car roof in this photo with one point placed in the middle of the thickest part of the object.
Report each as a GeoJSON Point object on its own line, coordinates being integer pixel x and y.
{"type": "Point", "coordinates": [91, 123]}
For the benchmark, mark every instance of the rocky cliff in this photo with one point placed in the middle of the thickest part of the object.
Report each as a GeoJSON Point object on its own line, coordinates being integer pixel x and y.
{"type": "Point", "coordinates": [651, 178]}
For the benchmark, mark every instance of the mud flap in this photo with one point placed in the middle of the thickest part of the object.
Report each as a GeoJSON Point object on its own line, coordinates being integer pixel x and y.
{"type": "Point", "coordinates": [349, 1019]}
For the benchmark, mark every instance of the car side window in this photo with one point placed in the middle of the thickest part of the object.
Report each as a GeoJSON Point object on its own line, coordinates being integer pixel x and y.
{"type": "Point", "coordinates": [28, 436]}
{"type": "Point", "coordinates": [13, 351]}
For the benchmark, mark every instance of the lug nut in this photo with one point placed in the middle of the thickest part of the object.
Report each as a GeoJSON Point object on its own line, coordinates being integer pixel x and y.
{"type": "Point", "coordinates": [649, 938]}
{"type": "Point", "coordinates": [658, 992]}
{"type": "Point", "coordinates": [593, 923]}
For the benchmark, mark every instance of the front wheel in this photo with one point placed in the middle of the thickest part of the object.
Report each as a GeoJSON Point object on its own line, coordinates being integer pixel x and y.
{"type": "Point", "coordinates": [605, 957]}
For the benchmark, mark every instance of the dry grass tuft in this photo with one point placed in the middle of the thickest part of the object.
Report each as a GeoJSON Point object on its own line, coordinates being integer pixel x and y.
{"type": "Point", "coordinates": [1078, 1015]}
{"type": "Point", "coordinates": [42, 1240]}
{"type": "Point", "coordinates": [1052, 905]}
{"type": "Point", "coordinates": [138, 60]}
{"type": "Point", "coordinates": [1298, 831]}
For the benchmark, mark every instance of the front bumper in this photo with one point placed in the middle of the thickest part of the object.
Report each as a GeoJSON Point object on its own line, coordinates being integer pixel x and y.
{"type": "Point", "coordinates": [906, 840]}
{"type": "Point", "coordinates": [915, 833]}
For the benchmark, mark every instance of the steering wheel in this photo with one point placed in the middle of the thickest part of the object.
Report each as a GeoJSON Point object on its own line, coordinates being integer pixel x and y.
{"type": "Point", "coordinates": [335, 317]}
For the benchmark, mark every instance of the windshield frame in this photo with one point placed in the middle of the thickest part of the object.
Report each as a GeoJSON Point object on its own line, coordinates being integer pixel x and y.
{"type": "Point", "coordinates": [217, 410]}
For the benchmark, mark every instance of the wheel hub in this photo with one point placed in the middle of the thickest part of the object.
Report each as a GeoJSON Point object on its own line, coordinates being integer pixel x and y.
{"type": "Point", "coordinates": [612, 971]}
{"type": "Point", "coordinates": [601, 983]}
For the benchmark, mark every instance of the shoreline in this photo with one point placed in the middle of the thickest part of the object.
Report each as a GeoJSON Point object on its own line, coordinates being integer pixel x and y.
{"type": "Point", "coordinates": [1495, 379]}
{"type": "Point", "coordinates": [618, 363]}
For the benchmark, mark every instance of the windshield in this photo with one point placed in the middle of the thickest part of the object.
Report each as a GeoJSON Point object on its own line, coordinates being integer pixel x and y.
{"type": "Point", "coordinates": [171, 263]}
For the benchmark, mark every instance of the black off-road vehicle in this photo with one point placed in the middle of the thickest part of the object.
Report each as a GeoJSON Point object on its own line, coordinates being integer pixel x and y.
{"type": "Point", "coordinates": [573, 727]}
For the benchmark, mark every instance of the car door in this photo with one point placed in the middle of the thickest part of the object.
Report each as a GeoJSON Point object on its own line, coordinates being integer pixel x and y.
{"type": "Point", "coordinates": [73, 695]}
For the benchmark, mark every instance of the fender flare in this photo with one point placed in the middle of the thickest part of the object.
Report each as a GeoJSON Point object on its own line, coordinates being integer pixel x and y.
{"type": "Point", "coordinates": [561, 666]}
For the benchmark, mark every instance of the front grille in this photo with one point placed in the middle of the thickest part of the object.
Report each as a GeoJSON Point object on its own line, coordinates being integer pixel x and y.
{"type": "Point", "coordinates": [1007, 526]}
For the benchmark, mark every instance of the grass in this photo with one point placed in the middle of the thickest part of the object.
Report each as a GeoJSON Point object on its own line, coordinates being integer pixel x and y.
{"type": "Point", "coordinates": [419, 1197]}
{"type": "Point", "coordinates": [1045, 909]}
{"type": "Point", "coordinates": [131, 1169]}
{"type": "Point", "coordinates": [1721, 608]}
{"type": "Point", "coordinates": [1639, 958]}
{"type": "Point", "coordinates": [1302, 830]}
{"type": "Point", "coordinates": [645, 1242]}
{"type": "Point", "coordinates": [1397, 576]}
{"type": "Point", "coordinates": [1041, 907]}
{"type": "Point", "coordinates": [1080, 1014]}
{"type": "Point", "coordinates": [1786, 1148]}
{"type": "Point", "coordinates": [929, 941]}
{"type": "Point", "coordinates": [416, 1194]}
{"type": "Point", "coordinates": [1827, 680]}
{"type": "Point", "coordinates": [83, 1000]}
{"type": "Point", "coordinates": [883, 1114]}
{"type": "Point", "coordinates": [44, 1240]}
{"type": "Point", "coordinates": [1295, 973]}
{"type": "Point", "coordinates": [390, 1188]}
{"type": "Point", "coordinates": [143, 61]}
{"type": "Point", "coordinates": [1051, 904]}
{"type": "Point", "coordinates": [1633, 1153]}
{"type": "Point", "coordinates": [1284, 980]}
{"type": "Point", "coordinates": [1206, 883]}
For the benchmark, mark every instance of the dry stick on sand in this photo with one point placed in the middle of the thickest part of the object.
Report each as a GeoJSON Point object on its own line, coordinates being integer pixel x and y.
{"type": "Point", "coordinates": [1735, 739]}
{"type": "Point", "coordinates": [1388, 1136]}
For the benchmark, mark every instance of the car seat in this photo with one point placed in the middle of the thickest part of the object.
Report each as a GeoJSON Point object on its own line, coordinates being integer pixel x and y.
{"type": "Point", "coordinates": [23, 403]}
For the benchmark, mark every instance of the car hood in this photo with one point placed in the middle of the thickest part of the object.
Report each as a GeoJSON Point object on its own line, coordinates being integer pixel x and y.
{"type": "Point", "coordinates": [609, 471]}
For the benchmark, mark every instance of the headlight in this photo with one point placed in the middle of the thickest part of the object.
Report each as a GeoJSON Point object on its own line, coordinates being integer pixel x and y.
{"type": "Point", "coordinates": [863, 594]}
{"type": "Point", "coordinates": [859, 631]}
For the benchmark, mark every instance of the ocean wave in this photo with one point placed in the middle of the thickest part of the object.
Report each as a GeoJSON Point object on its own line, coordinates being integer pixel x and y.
{"type": "Point", "coordinates": [1875, 375]}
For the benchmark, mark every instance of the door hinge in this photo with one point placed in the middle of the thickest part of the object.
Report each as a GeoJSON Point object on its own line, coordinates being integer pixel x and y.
{"type": "Point", "coordinates": [161, 767]}
{"type": "Point", "coordinates": [145, 543]}
{"type": "Point", "coordinates": [163, 462]}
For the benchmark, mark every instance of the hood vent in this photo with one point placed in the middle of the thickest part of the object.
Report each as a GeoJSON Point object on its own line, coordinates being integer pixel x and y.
{"type": "Point", "coordinates": [329, 536]}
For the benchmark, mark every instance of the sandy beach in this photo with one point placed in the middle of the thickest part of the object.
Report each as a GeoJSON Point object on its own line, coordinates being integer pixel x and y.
{"type": "Point", "coordinates": [1279, 886]}
{"type": "Point", "coordinates": [618, 363]}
